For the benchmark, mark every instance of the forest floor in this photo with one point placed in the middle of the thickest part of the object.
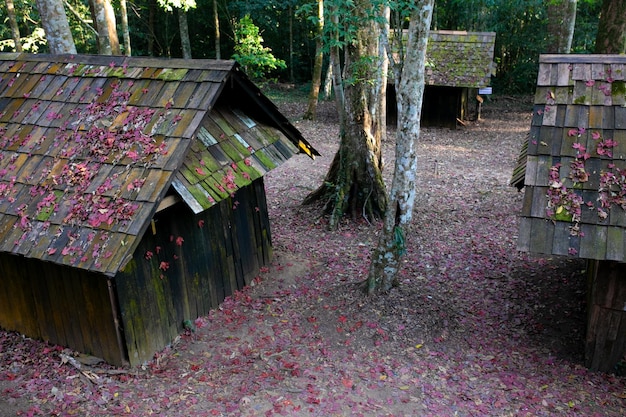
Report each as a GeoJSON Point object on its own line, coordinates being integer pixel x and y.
{"type": "Point", "coordinates": [475, 328]}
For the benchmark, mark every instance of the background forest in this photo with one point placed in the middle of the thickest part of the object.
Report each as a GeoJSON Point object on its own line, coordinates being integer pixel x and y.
{"type": "Point", "coordinates": [288, 28]}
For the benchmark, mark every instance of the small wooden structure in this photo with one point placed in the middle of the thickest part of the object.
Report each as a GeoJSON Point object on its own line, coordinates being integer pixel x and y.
{"type": "Point", "coordinates": [573, 167]}
{"type": "Point", "coordinates": [131, 196]}
{"type": "Point", "coordinates": [458, 64]}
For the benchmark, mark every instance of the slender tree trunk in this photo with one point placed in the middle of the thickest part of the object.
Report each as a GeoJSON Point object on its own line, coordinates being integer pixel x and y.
{"type": "Point", "coordinates": [410, 91]}
{"type": "Point", "coordinates": [104, 21]}
{"type": "Point", "coordinates": [381, 81]}
{"type": "Point", "coordinates": [337, 80]}
{"type": "Point", "coordinates": [336, 74]}
{"type": "Point", "coordinates": [561, 22]}
{"type": "Point", "coordinates": [151, 19]}
{"type": "Point", "coordinates": [184, 34]}
{"type": "Point", "coordinates": [111, 27]}
{"type": "Point", "coordinates": [216, 22]}
{"type": "Point", "coordinates": [291, 76]}
{"type": "Point", "coordinates": [15, 29]}
{"type": "Point", "coordinates": [317, 67]}
{"type": "Point", "coordinates": [328, 79]}
{"type": "Point", "coordinates": [611, 38]}
{"type": "Point", "coordinates": [125, 31]}
{"type": "Point", "coordinates": [354, 183]}
{"type": "Point", "coordinates": [56, 26]}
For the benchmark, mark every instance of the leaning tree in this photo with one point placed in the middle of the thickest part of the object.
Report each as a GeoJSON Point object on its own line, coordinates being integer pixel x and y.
{"type": "Point", "coordinates": [409, 74]}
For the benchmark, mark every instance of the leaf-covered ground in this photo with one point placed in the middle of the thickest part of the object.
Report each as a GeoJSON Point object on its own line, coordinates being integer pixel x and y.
{"type": "Point", "coordinates": [474, 329]}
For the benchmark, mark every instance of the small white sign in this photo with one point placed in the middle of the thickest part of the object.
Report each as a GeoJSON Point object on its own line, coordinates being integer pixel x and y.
{"type": "Point", "coordinates": [485, 90]}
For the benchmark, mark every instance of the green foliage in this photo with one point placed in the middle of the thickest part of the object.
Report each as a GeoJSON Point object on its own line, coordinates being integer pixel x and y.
{"type": "Point", "coordinates": [32, 34]}
{"type": "Point", "coordinates": [521, 28]}
{"type": "Point", "coordinates": [587, 19]}
{"type": "Point", "coordinates": [170, 5]}
{"type": "Point", "coordinates": [33, 39]}
{"type": "Point", "coordinates": [399, 240]}
{"type": "Point", "coordinates": [250, 53]}
{"type": "Point", "coordinates": [275, 19]}
{"type": "Point", "coordinates": [84, 36]}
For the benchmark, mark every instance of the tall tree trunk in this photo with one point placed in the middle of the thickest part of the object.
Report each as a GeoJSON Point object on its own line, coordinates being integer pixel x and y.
{"type": "Point", "coordinates": [15, 29]}
{"type": "Point", "coordinates": [328, 79]}
{"type": "Point", "coordinates": [291, 76]}
{"type": "Point", "coordinates": [56, 26]}
{"type": "Point", "coordinates": [354, 183]}
{"type": "Point", "coordinates": [151, 19]}
{"type": "Point", "coordinates": [109, 15]}
{"type": "Point", "coordinates": [311, 112]}
{"type": "Point", "coordinates": [381, 81]}
{"type": "Point", "coordinates": [561, 22]}
{"type": "Point", "coordinates": [336, 75]}
{"type": "Point", "coordinates": [184, 33]}
{"type": "Point", "coordinates": [611, 38]}
{"type": "Point", "coordinates": [216, 22]}
{"type": "Point", "coordinates": [125, 31]}
{"type": "Point", "coordinates": [104, 21]}
{"type": "Point", "coordinates": [340, 98]}
{"type": "Point", "coordinates": [410, 91]}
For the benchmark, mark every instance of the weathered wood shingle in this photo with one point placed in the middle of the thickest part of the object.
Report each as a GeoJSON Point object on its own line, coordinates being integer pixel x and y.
{"type": "Point", "coordinates": [90, 145]}
{"type": "Point", "coordinates": [573, 165]}
{"type": "Point", "coordinates": [460, 59]}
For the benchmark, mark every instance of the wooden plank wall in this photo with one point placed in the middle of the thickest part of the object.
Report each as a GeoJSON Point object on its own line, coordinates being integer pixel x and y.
{"type": "Point", "coordinates": [195, 261]}
{"type": "Point", "coordinates": [605, 344]}
{"type": "Point", "coordinates": [442, 106]}
{"type": "Point", "coordinates": [60, 305]}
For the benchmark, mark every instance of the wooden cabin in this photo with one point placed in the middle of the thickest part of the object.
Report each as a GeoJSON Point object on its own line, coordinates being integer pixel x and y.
{"type": "Point", "coordinates": [458, 64]}
{"type": "Point", "coordinates": [131, 196]}
{"type": "Point", "coordinates": [573, 171]}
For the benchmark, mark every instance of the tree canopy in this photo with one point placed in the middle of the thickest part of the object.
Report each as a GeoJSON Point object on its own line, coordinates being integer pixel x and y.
{"type": "Point", "coordinates": [288, 29]}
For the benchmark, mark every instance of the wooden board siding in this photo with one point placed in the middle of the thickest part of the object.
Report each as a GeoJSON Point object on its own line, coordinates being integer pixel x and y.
{"type": "Point", "coordinates": [442, 106]}
{"type": "Point", "coordinates": [606, 323]}
{"type": "Point", "coordinates": [59, 305]}
{"type": "Point", "coordinates": [221, 251]}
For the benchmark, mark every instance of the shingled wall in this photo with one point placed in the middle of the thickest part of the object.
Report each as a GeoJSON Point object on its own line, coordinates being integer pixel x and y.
{"type": "Point", "coordinates": [575, 192]}
{"type": "Point", "coordinates": [574, 166]}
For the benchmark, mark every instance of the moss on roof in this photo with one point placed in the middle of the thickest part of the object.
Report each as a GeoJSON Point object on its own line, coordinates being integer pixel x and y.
{"type": "Point", "coordinates": [89, 146]}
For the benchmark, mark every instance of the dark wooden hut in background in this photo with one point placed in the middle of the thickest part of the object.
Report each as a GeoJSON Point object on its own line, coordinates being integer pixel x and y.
{"type": "Point", "coordinates": [131, 196]}
{"type": "Point", "coordinates": [458, 64]}
{"type": "Point", "coordinates": [573, 168]}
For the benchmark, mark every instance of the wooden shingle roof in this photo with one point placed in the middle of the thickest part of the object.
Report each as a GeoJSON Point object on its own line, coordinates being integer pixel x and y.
{"type": "Point", "coordinates": [460, 59]}
{"type": "Point", "coordinates": [575, 164]}
{"type": "Point", "coordinates": [90, 145]}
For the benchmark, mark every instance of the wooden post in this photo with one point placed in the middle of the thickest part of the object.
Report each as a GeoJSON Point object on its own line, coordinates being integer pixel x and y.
{"type": "Point", "coordinates": [605, 345]}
